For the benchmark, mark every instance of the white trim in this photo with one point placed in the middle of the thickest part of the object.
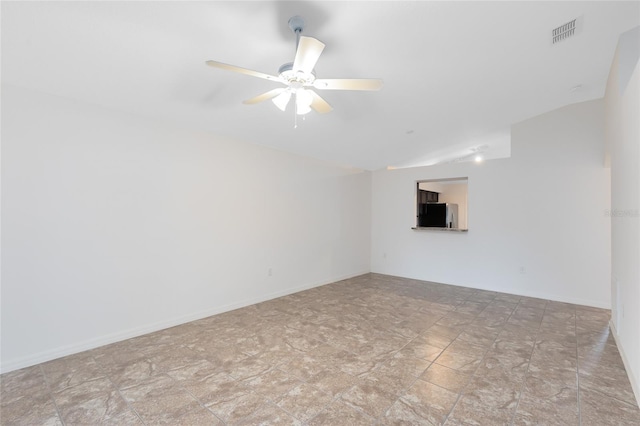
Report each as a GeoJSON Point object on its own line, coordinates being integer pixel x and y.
{"type": "Point", "coordinates": [546, 296]}
{"type": "Point", "coordinates": [62, 351]}
{"type": "Point", "coordinates": [634, 385]}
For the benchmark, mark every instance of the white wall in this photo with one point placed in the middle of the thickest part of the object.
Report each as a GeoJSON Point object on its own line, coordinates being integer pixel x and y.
{"type": "Point", "coordinates": [623, 141]}
{"type": "Point", "coordinates": [543, 210]}
{"type": "Point", "coordinates": [114, 225]}
{"type": "Point", "coordinates": [432, 186]}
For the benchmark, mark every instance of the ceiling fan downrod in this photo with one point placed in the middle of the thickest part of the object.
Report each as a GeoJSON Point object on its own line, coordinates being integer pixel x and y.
{"type": "Point", "coordinates": [296, 24]}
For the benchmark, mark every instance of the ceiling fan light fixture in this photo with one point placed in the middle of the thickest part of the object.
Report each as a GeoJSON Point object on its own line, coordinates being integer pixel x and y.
{"type": "Point", "coordinates": [282, 100]}
{"type": "Point", "coordinates": [303, 101]}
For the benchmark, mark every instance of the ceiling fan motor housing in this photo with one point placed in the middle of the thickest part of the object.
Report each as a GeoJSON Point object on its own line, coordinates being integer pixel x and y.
{"type": "Point", "coordinates": [295, 78]}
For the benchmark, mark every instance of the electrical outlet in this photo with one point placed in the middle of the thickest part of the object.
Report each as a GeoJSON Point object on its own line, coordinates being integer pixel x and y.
{"type": "Point", "coordinates": [384, 255]}
{"type": "Point", "coordinates": [522, 270]}
{"type": "Point", "coordinates": [270, 272]}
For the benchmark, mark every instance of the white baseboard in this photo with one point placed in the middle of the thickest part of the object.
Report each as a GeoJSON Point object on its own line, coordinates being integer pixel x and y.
{"type": "Point", "coordinates": [634, 384]}
{"type": "Point", "coordinates": [44, 356]}
{"type": "Point", "coordinates": [534, 294]}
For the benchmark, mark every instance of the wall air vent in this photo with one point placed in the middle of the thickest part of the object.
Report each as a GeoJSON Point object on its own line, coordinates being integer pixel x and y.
{"type": "Point", "coordinates": [565, 31]}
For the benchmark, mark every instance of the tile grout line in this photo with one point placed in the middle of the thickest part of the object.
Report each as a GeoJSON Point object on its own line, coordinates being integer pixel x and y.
{"type": "Point", "coordinates": [377, 419]}
{"type": "Point", "coordinates": [416, 378]}
{"type": "Point", "coordinates": [608, 396]}
{"type": "Point", "coordinates": [127, 402]}
{"type": "Point", "coordinates": [575, 325]}
{"type": "Point", "coordinates": [460, 394]}
{"type": "Point", "coordinates": [178, 384]}
{"type": "Point", "coordinates": [324, 407]}
{"type": "Point", "coordinates": [432, 362]}
{"type": "Point", "coordinates": [53, 399]}
{"type": "Point", "coordinates": [526, 373]}
{"type": "Point", "coordinates": [305, 381]}
{"type": "Point", "coordinates": [117, 388]}
{"type": "Point", "coordinates": [398, 397]}
{"type": "Point", "coordinates": [242, 383]}
{"type": "Point", "coordinates": [273, 401]}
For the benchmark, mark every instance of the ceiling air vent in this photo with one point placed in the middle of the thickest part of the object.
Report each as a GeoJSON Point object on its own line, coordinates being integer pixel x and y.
{"type": "Point", "coordinates": [565, 31]}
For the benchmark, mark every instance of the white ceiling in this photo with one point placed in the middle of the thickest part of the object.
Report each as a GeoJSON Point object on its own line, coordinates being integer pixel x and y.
{"type": "Point", "coordinates": [456, 74]}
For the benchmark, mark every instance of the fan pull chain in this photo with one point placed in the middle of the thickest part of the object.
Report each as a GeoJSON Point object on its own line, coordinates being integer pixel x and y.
{"type": "Point", "coordinates": [295, 115]}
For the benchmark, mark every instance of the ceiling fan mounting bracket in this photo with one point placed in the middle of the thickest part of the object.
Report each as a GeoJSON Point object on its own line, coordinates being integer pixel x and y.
{"type": "Point", "coordinates": [296, 23]}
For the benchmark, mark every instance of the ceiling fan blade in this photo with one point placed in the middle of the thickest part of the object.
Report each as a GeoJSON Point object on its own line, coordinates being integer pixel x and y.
{"type": "Point", "coordinates": [307, 54]}
{"type": "Point", "coordinates": [265, 96]}
{"type": "Point", "coordinates": [318, 104]}
{"type": "Point", "coordinates": [348, 84]}
{"type": "Point", "coordinates": [228, 67]}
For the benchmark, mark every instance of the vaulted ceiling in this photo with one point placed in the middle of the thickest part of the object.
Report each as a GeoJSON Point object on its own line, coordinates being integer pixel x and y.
{"type": "Point", "coordinates": [456, 74]}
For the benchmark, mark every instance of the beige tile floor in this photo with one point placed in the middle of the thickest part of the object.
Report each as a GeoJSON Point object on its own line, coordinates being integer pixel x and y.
{"type": "Point", "coordinates": [370, 350]}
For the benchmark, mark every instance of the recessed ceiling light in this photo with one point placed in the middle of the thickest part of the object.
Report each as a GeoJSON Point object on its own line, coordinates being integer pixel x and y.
{"type": "Point", "coordinates": [478, 159]}
{"type": "Point", "coordinates": [479, 149]}
{"type": "Point", "coordinates": [576, 88]}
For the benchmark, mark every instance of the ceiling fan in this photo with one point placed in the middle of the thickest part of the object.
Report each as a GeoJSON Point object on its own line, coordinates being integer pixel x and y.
{"type": "Point", "coordinates": [299, 76]}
